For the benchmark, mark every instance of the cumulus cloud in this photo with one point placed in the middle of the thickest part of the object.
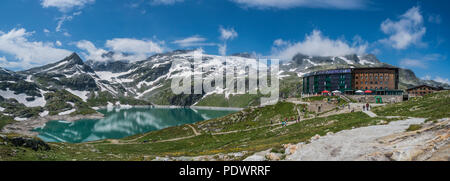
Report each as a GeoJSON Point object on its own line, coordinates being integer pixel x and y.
{"type": "Point", "coordinates": [315, 44]}
{"type": "Point", "coordinates": [195, 40]}
{"type": "Point", "coordinates": [412, 63]}
{"type": "Point", "coordinates": [421, 61]}
{"type": "Point", "coordinates": [28, 53]}
{"type": "Point", "coordinates": [227, 34]}
{"type": "Point", "coordinates": [442, 80]}
{"type": "Point", "coordinates": [123, 48]}
{"type": "Point", "coordinates": [222, 49]}
{"type": "Point", "coordinates": [437, 79]}
{"type": "Point", "coordinates": [65, 5]}
{"type": "Point", "coordinates": [134, 46]}
{"type": "Point", "coordinates": [408, 30]}
{"type": "Point", "coordinates": [286, 4]}
{"type": "Point", "coordinates": [65, 18]}
{"type": "Point", "coordinates": [58, 43]}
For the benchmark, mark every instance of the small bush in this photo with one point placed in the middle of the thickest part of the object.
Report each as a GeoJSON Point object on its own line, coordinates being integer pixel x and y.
{"type": "Point", "coordinates": [414, 127]}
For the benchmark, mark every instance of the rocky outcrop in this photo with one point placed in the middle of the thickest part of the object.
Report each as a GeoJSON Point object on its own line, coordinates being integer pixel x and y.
{"type": "Point", "coordinates": [32, 143]}
{"type": "Point", "coordinates": [379, 143]}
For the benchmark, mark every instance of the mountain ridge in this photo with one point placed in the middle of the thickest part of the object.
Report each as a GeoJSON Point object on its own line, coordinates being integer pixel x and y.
{"type": "Point", "coordinates": [101, 83]}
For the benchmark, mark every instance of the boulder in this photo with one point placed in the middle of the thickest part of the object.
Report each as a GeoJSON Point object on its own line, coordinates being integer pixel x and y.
{"type": "Point", "coordinates": [29, 143]}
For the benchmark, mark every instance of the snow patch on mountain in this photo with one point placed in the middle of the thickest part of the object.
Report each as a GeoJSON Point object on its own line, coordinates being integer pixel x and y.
{"type": "Point", "coordinates": [67, 112]}
{"type": "Point", "coordinates": [21, 98]}
{"type": "Point", "coordinates": [81, 94]}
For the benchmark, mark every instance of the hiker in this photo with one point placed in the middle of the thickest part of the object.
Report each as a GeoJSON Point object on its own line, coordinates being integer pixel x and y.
{"type": "Point", "coordinates": [367, 106]}
{"type": "Point", "coordinates": [364, 108]}
{"type": "Point", "coordinates": [318, 109]}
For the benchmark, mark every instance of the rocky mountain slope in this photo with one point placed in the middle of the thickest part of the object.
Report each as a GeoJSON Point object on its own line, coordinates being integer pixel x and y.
{"type": "Point", "coordinates": [80, 85]}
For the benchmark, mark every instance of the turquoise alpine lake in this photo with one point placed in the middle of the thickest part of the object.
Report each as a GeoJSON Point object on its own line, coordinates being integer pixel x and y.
{"type": "Point", "coordinates": [120, 123]}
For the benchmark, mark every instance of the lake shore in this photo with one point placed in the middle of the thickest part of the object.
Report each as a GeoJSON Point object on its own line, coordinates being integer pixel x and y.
{"type": "Point", "coordinates": [26, 127]}
{"type": "Point", "coordinates": [172, 107]}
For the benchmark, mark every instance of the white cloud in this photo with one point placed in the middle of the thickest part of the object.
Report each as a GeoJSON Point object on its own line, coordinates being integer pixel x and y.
{"type": "Point", "coordinates": [222, 49]}
{"type": "Point", "coordinates": [280, 42]}
{"type": "Point", "coordinates": [408, 30]}
{"type": "Point", "coordinates": [46, 30]}
{"type": "Point", "coordinates": [427, 77]}
{"type": "Point", "coordinates": [421, 61]}
{"type": "Point", "coordinates": [315, 44]}
{"type": "Point", "coordinates": [286, 4]}
{"type": "Point", "coordinates": [412, 63]}
{"type": "Point", "coordinates": [29, 53]}
{"type": "Point", "coordinates": [58, 43]}
{"type": "Point", "coordinates": [123, 48]}
{"type": "Point", "coordinates": [437, 79]}
{"type": "Point", "coordinates": [134, 46]}
{"type": "Point", "coordinates": [65, 5]}
{"type": "Point", "coordinates": [227, 34]}
{"type": "Point", "coordinates": [165, 2]}
{"type": "Point", "coordinates": [195, 40]}
{"type": "Point", "coordinates": [65, 18]}
{"type": "Point", "coordinates": [91, 52]}
{"type": "Point", "coordinates": [442, 80]}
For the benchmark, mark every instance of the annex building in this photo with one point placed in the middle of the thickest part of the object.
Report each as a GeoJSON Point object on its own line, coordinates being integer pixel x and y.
{"type": "Point", "coordinates": [378, 81]}
{"type": "Point", "coordinates": [422, 90]}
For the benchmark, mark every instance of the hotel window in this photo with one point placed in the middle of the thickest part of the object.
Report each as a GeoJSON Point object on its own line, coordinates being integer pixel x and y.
{"type": "Point", "coordinates": [381, 88]}
{"type": "Point", "coordinates": [366, 82]}
{"type": "Point", "coordinates": [376, 82]}
{"type": "Point", "coordinates": [376, 88]}
{"type": "Point", "coordinates": [376, 77]}
{"type": "Point", "coordinates": [356, 77]}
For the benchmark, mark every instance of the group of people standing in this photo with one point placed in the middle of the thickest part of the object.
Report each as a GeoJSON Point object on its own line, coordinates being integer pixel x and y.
{"type": "Point", "coordinates": [286, 120]}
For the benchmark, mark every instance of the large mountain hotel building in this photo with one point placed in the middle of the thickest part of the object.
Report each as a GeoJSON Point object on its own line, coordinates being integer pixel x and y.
{"type": "Point", "coordinates": [380, 81]}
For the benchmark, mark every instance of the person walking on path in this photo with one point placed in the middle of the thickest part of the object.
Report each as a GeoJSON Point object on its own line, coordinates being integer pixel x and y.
{"type": "Point", "coordinates": [367, 106]}
{"type": "Point", "coordinates": [364, 108]}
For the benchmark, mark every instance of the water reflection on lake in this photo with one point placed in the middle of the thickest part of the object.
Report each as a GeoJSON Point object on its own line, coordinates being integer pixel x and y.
{"type": "Point", "coordinates": [119, 123]}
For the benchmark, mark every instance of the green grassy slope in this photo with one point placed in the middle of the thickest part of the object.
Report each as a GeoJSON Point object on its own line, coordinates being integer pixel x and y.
{"type": "Point", "coordinates": [432, 106]}
{"type": "Point", "coordinates": [249, 130]}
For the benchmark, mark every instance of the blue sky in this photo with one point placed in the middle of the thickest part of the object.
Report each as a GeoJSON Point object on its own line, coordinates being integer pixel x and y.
{"type": "Point", "coordinates": [405, 33]}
